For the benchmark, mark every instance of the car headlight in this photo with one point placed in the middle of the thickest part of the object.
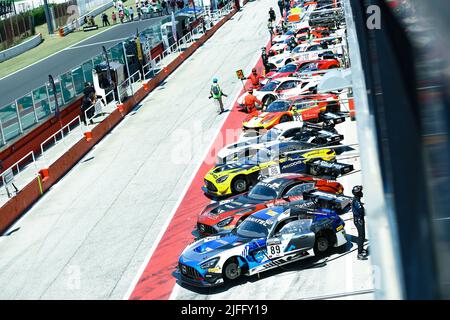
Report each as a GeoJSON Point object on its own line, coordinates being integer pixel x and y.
{"type": "Point", "coordinates": [225, 222]}
{"type": "Point", "coordinates": [209, 264]}
{"type": "Point", "coordinates": [222, 179]}
{"type": "Point", "coordinates": [279, 61]}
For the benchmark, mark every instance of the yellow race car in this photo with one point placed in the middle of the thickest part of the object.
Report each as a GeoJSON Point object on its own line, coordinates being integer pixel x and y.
{"type": "Point", "coordinates": [237, 176]}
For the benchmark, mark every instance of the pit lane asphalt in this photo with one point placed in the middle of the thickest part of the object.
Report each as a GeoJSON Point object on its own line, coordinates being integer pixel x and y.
{"type": "Point", "coordinates": [89, 235]}
{"type": "Point", "coordinates": [22, 82]}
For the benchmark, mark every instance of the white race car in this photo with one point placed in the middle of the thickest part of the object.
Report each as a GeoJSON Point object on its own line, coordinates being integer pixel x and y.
{"type": "Point", "coordinates": [283, 88]}
{"type": "Point", "coordinates": [282, 132]}
{"type": "Point", "coordinates": [305, 51]}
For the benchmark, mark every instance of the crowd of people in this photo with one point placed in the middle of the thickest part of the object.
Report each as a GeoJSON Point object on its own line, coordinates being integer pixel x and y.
{"type": "Point", "coordinates": [144, 9]}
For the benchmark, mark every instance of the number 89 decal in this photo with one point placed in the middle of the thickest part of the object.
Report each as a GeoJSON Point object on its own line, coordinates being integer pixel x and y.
{"type": "Point", "coordinates": [274, 251]}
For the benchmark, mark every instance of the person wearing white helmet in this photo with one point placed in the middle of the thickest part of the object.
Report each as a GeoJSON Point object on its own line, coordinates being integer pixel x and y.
{"type": "Point", "coordinates": [217, 93]}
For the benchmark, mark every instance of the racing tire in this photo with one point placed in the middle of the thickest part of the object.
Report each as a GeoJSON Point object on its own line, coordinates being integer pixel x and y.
{"type": "Point", "coordinates": [231, 270]}
{"type": "Point", "coordinates": [239, 184]}
{"type": "Point", "coordinates": [322, 245]}
{"type": "Point", "coordinates": [285, 118]}
{"type": "Point", "coordinates": [268, 100]}
{"type": "Point", "coordinates": [287, 61]}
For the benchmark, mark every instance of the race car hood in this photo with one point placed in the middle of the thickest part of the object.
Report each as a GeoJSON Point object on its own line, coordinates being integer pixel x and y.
{"type": "Point", "coordinates": [210, 247]}
{"type": "Point", "coordinates": [281, 38]}
{"type": "Point", "coordinates": [261, 118]}
{"type": "Point", "coordinates": [240, 203]}
{"type": "Point", "coordinates": [278, 47]}
{"type": "Point", "coordinates": [232, 167]}
{"type": "Point", "coordinates": [278, 58]}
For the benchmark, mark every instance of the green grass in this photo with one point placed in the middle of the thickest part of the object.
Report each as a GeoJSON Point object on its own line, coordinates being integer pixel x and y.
{"type": "Point", "coordinates": [50, 45]}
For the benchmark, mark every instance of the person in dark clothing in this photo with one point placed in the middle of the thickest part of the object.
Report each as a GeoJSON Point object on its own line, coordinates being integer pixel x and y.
{"type": "Point", "coordinates": [272, 15]}
{"type": "Point", "coordinates": [281, 7]}
{"type": "Point", "coordinates": [287, 7]}
{"type": "Point", "coordinates": [359, 220]}
{"type": "Point", "coordinates": [265, 60]}
{"type": "Point", "coordinates": [88, 100]}
{"type": "Point", "coordinates": [105, 20]}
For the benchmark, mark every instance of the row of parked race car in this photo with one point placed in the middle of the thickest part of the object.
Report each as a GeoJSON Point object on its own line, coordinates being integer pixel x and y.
{"type": "Point", "coordinates": [276, 198]}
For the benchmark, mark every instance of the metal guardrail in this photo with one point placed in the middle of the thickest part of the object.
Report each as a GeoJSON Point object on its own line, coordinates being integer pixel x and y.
{"type": "Point", "coordinates": [8, 174]}
{"type": "Point", "coordinates": [61, 132]}
{"type": "Point", "coordinates": [94, 106]}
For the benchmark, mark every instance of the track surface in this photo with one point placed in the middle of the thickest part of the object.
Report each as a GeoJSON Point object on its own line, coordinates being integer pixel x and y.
{"type": "Point", "coordinates": [22, 82]}
{"type": "Point", "coordinates": [90, 234]}
{"type": "Point", "coordinates": [105, 231]}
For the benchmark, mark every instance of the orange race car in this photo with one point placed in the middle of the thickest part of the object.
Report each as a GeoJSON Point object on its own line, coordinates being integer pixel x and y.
{"type": "Point", "coordinates": [303, 108]}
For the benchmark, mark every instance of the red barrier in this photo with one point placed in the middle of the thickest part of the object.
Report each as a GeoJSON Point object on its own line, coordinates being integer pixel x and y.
{"type": "Point", "coordinates": [32, 141]}
{"type": "Point", "coordinates": [17, 205]}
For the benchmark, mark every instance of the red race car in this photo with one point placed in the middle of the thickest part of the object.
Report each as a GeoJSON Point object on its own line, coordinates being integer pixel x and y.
{"type": "Point", "coordinates": [316, 65]}
{"type": "Point", "coordinates": [286, 71]}
{"type": "Point", "coordinates": [292, 68]}
{"type": "Point", "coordinates": [227, 214]}
{"type": "Point", "coordinates": [304, 108]}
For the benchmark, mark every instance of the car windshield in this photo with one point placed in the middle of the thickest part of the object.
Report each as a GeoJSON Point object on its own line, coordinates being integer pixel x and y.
{"type": "Point", "coordinates": [253, 228]}
{"type": "Point", "coordinates": [304, 104]}
{"type": "Point", "coordinates": [278, 106]}
{"type": "Point", "coordinates": [297, 49]}
{"type": "Point", "coordinates": [308, 67]}
{"type": "Point", "coordinates": [270, 86]}
{"type": "Point", "coordinates": [288, 68]}
{"type": "Point", "coordinates": [262, 192]}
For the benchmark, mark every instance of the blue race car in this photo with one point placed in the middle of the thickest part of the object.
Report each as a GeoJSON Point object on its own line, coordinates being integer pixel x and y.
{"type": "Point", "coordinates": [266, 239]}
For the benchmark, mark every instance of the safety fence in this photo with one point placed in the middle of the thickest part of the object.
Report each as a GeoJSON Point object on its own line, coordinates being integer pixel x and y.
{"type": "Point", "coordinates": [38, 104]}
{"type": "Point", "coordinates": [7, 177]}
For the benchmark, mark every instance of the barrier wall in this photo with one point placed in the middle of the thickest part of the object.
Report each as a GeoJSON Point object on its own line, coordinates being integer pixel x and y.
{"type": "Point", "coordinates": [20, 48]}
{"type": "Point", "coordinates": [17, 205]}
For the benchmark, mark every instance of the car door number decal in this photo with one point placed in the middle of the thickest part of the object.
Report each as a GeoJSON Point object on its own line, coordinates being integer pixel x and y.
{"type": "Point", "coordinates": [274, 251]}
{"type": "Point", "coordinates": [274, 170]}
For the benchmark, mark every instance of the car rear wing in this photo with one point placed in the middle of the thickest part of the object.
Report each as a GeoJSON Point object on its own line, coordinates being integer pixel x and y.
{"type": "Point", "coordinates": [335, 202]}
{"type": "Point", "coordinates": [334, 117]}
{"type": "Point", "coordinates": [327, 169]}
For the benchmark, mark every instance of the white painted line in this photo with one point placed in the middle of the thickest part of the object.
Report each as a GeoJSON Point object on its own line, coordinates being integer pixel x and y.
{"type": "Point", "coordinates": [93, 44]}
{"type": "Point", "coordinates": [54, 53]}
{"type": "Point", "coordinates": [177, 204]}
{"type": "Point", "coordinates": [112, 27]}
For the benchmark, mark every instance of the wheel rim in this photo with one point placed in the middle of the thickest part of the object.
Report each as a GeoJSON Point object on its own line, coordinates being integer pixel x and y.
{"type": "Point", "coordinates": [322, 244]}
{"type": "Point", "coordinates": [232, 271]}
{"type": "Point", "coordinates": [240, 185]}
